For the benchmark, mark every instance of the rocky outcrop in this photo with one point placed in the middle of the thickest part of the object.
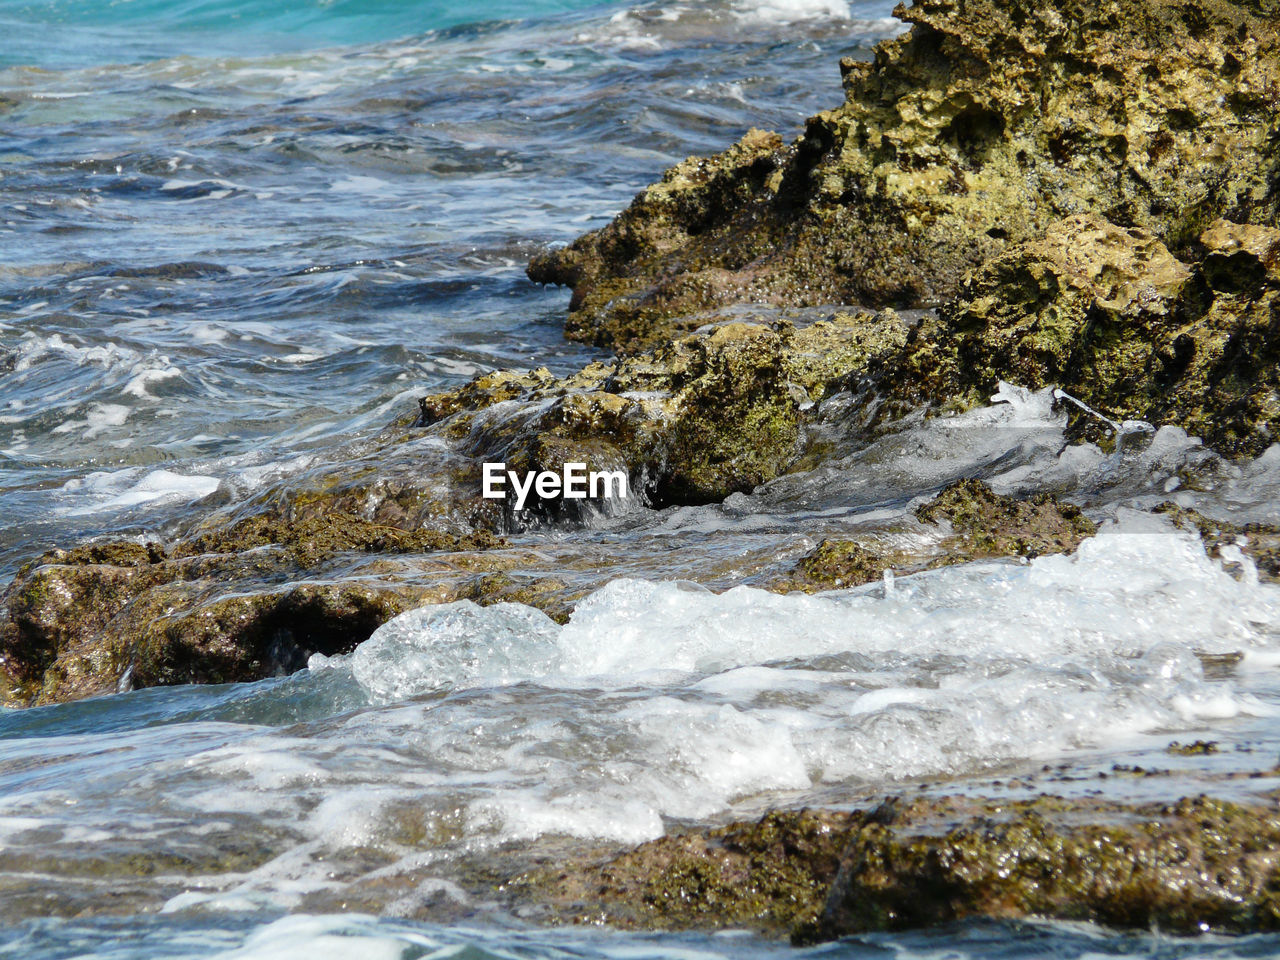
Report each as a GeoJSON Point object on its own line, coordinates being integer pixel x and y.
{"type": "Point", "coordinates": [1227, 542]}
{"type": "Point", "coordinates": [308, 566]}
{"type": "Point", "coordinates": [693, 421]}
{"type": "Point", "coordinates": [256, 597]}
{"type": "Point", "coordinates": [1109, 315]}
{"type": "Point", "coordinates": [946, 175]}
{"type": "Point", "coordinates": [986, 525]}
{"type": "Point", "coordinates": [978, 129]}
{"type": "Point", "coordinates": [1188, 866]}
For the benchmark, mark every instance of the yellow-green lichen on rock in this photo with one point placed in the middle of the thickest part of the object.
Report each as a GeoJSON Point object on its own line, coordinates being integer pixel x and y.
{"type": "Point", "coordinates": [979, 128]}
{"type": "Point", "coordinates": [1108, 314]}
{"type": "Point", "coordinates": [691, 421]}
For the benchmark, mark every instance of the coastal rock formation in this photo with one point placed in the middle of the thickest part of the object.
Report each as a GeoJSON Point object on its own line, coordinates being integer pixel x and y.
{"type": "Point", "coordinates": [1186, 866]}
{"type": "Point", "coordinates": [692, 421]}
{"type": "Point", "coordinates": [1105, 312]}
{"type": "Point", "coordinates": [256, 597]}
{"type": "Point", "coordinates": [1056, 176]}
{"type": "Point", "coordinates": [982, 126]}
{"type": "Point", "coordinates": [1109, 315]}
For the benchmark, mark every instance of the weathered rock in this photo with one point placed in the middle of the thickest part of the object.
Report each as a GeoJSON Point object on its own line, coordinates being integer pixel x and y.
{"type": "Point", "coordinates": [219, 607]}
{"type": "Point", "coordinates": [983, 125]}
{"type": "Point", "coordinates": [771, 876]}
{"type": "Point", "coordinates": [981, 525]}
{"type": "Point", "coordinates": [313, 539]}
{"type": "Point", "coordinates": [988, 525]}
{"type": "Point", "coordinates": [1189, 866]}
{"type": "Point", "coordinates": [834, 563]}
{"type": "Point", "coordinates": [690, 422]}
{"type": "Point", "coordinates": [1110, 316]}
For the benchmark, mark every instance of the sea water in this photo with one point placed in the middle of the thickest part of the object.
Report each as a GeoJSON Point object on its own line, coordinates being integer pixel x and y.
{"type": "Point", "coordinates": [240, 236]}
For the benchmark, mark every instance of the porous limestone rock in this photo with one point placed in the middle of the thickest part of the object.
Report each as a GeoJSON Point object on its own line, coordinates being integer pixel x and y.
{"type": "Point", "coordinates": [984, 124]}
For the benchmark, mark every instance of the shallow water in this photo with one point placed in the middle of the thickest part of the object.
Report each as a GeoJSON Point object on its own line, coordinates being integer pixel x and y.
{"type": "Point", "coordinates": [217, 265]}
{"type": "Point", "coordinates": [240, 238]}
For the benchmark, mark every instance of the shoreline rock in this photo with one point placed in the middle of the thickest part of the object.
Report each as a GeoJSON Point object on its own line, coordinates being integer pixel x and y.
{"type": "Point", "coordinates": [1110, 316]}
{"type": "Point", "coordinates": [976, 130]}
{"type": "Point", "coordinates": [255, 598]}
{"type": "Point", "coordinates": [1188, 866]}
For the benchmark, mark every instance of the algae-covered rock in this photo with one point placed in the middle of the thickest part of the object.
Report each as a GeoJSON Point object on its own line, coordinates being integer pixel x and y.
{"type": "Point", "coordinates": [223, 605]}
{"type": "Point", "coordinates": [174, 635]}
{"type": "Point", "coordinates": [771, 875]}
{"type": "Point", "coordinates": [987, 524]}
{"type": "Point", "coordinates": [1188, 866]}
{"type": "Point", "coordinates": [837, 563]}
{"type": "Point", "coordinates": [978, 523]}
{"type": "Point", "coordinates": [987, 122]}
{"type": "Point", "coordinates": [313, 539]}
{"type": "Point", "coordinates": [693, 421]}
{"type": "Point", "coordinates": [1109, 315]}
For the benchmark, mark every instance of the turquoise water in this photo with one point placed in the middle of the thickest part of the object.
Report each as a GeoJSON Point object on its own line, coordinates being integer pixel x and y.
{"type": "Point", "coordinates": [75, 33]}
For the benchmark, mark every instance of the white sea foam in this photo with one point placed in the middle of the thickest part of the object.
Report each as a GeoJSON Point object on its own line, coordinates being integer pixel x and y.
{"type": "Point", "coordinates": [1118, 595]}
{"type": "Point", "coordinates": [666, 700]}
{"type": "Point", "coordinates": [791, 11]}
{"type": "Point", "coordinates": [333, 938]}
{"type": "Point", "coordinates": [33, 348]}
{"type": "Point", "coordinates": [99, 418]}
{"type": "Point", "coordinates": [115, 490]}
{"type": "Point", "coordinates": [147, 374]}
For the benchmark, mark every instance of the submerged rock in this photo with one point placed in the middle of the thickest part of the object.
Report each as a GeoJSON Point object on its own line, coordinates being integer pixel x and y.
{"type": "Point", "coordinates": [979, 524]}
{"type": "Point", "coordinates": [979, 128]}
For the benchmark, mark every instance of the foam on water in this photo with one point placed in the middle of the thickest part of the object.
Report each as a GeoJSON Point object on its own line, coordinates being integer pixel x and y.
{"type": "Point", "coordinates": [790, 11]}
{"type": "Point", "coordinates": [677, 702]}
{"type": "Point", "coordinates": [1120, 593]}
{"type": "Point", "coordinates": [109, 491]}
{"type": "Point", "coordinates": [662, 702]}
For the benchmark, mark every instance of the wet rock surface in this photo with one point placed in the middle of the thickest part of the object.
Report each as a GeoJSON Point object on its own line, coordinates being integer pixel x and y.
{"type": "Point", "coordinates": [979, 524]}
{"type": "Point", "coordinates": [771, 876]}
{"type": "Point", "coordinates": [1190, 865]}
{"type": "Point", "coordinates": [693, 421]}
{"type": "Point", "coordinates": [1109, 315]}
{"type": "Point", "coordinates": [1228, 542]}
{"type": "Point", "coordinates": [978, 129]}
